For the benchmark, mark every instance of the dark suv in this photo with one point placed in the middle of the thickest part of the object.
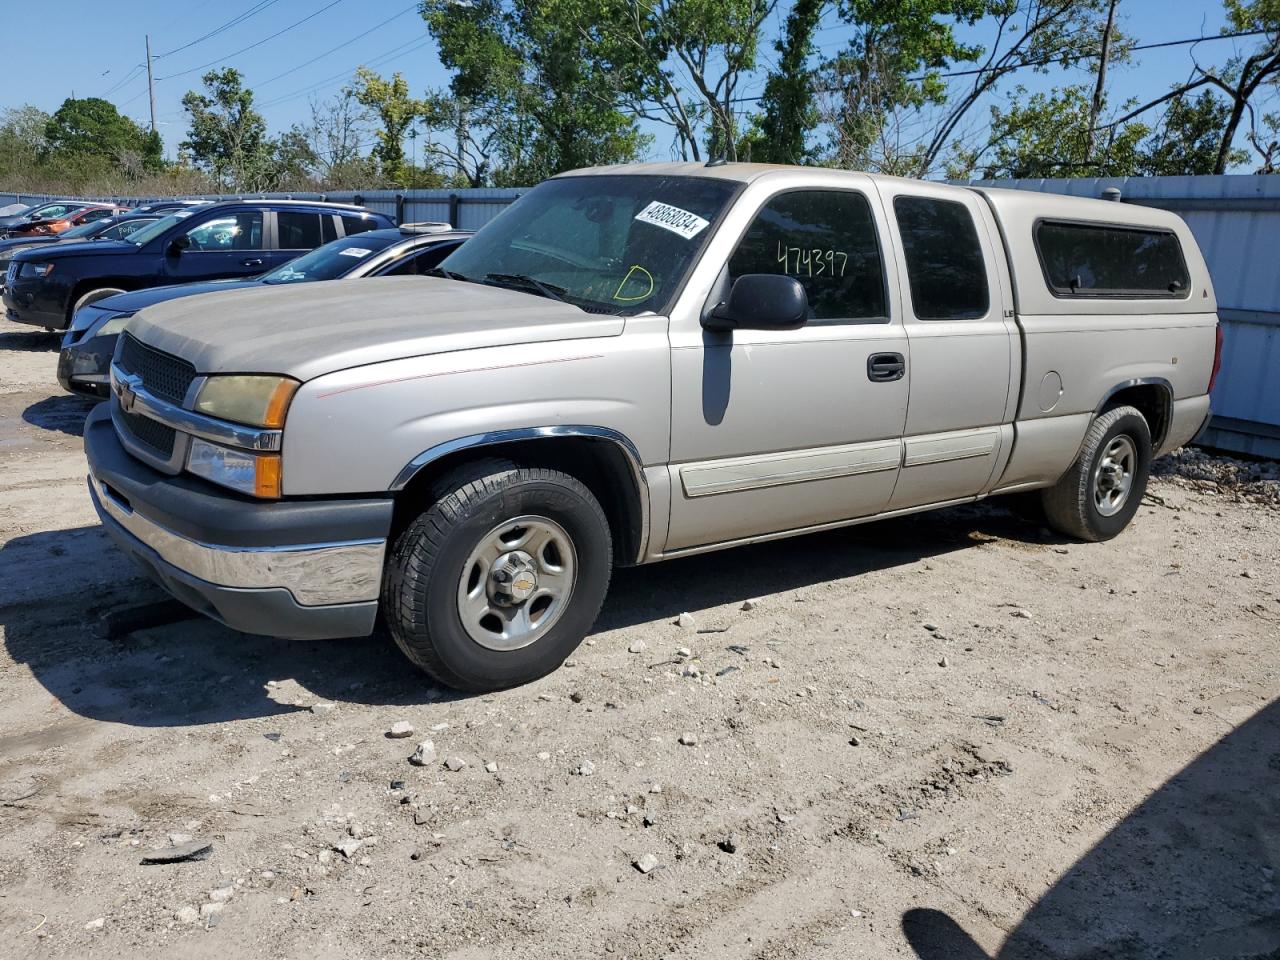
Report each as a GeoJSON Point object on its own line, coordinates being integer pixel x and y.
{"type": "Point", "coordinates": [237, 238]}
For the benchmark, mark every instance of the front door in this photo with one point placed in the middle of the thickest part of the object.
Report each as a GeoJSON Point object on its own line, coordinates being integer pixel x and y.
{"type": "Point", "coordinates": [228, 245]}
{"type": "Point", "coordinates": [780, 430]}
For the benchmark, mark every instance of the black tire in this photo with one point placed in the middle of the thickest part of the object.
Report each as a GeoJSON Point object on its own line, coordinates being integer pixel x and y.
{"type": "Point", "coordinates": [1071, 505]}
{"type": "Point", "coordinates": [420, 600]}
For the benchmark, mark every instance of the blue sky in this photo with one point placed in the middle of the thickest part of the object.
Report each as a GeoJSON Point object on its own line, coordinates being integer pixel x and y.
{"type": "Point", "coordinates": [90, 47]}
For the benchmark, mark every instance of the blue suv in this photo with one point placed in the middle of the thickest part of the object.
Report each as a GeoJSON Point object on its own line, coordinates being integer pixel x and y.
{"type": "Point", "coordinates": [237, 238]}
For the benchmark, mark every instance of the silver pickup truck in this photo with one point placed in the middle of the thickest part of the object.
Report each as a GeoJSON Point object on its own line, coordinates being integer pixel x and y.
{"type": "Point", "coordinates": [637, 363]}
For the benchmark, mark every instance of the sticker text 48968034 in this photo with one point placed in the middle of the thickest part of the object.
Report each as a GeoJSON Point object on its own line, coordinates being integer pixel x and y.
{"type": "Point", "coordinates": [812, 262]}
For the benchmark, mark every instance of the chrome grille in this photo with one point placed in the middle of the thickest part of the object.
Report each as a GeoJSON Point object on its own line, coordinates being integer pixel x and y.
{"type": "Point", "coordinates": [164, 375]}
{"type": "Point", "coordinates": [154, 434]}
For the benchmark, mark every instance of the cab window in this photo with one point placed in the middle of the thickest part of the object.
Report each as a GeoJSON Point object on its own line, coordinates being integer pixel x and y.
{"type": "Point", "coordinates": [827, 240]}
{"type": "Point", "coordinates": [237, 231]}
{"type": "Point", "coordinates": [945, 269]}
{"type": "Point", "coordinates": [353, 225]}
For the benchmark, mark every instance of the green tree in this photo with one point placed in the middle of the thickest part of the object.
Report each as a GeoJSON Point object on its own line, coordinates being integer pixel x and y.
{"type": "Point", "coordinates": [227, 137]}
{"type": "Point", "coordinates": [1186, 141]}
{"type": "Point", "coordinates": [1049, 135]}
{"type": "Point", "coordinates": [390, 103]}
{"type": "Point", "coordinates": [789, 112]}
{"type": "Point", "coordinates": [537, 74]}
{"type": "Point", "coordinates": [91, 126]}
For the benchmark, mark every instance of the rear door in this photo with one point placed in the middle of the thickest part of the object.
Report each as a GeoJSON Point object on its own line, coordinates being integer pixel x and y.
{"type": "Point", "coordinates": [229, 243]}
{"type": "Point", "coordinates": [959, 322]}
{"type": "Point", "coordinates": [296, 233]}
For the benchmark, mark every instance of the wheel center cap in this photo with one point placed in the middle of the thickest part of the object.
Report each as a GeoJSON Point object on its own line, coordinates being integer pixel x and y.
{"type": "Point", "coordinates": [513, 579]}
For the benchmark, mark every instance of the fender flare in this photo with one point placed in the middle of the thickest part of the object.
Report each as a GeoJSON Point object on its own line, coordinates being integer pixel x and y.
{"type": "Point", "coordinates": [583, 431]}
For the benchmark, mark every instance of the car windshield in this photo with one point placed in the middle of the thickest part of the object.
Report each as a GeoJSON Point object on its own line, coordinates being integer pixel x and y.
{"type": "Point", "coordinates": [147, 234]}
{"type": "Point", "coordinates": [616, 243]}
{"type": "Point", "coordinates": [335, 259]}
{"type": "Point", "coordinates": [86, 229]}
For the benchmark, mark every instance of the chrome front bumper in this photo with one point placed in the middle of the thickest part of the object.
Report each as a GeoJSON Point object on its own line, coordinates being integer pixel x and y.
{"type": "Point", "coordinates": [315, 574]}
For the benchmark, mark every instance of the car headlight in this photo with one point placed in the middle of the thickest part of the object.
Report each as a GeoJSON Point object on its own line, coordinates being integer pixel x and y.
{"type": "Point", "coordinates": [35, 269]}
{"type": "Point", "coordinates": [114, 325]}
{"type": "Point", "coordinates": [258, 401]}
{"type": "Point", "coordinates": [257, 474]}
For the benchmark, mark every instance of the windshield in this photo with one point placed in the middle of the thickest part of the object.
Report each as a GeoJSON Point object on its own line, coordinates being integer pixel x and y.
{"type": "Point", "coordinates": [335, 259]}
{"type": "Point", "coordinates": [147, 234]}
{"type": "Point", "coordinates": [618, 243]}
{"type": "Point", "coordinates": [86, 229]}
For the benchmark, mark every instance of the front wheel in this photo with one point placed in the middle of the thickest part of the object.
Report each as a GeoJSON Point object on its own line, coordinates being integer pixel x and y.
{"type": "Point", "coordinates": [499, 580]}
{"type": "Point", "coordinates": [1099, 495]}
{"type": "Point", "coordinates": [91, 296]}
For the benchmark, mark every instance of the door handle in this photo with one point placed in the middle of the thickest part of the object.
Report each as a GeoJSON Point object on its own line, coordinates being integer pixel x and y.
{"type": "Point", "coordinates": [251, 263]}
{"type": "Point", "coordinates": [886, 367]}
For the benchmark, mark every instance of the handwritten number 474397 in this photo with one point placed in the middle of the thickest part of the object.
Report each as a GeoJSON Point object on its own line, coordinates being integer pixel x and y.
{"type": "Point", "coordinates": [812, 262]}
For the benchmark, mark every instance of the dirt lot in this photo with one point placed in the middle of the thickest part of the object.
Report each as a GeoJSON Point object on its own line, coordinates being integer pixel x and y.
{"type": "Point", "coordinates": [949, 736]}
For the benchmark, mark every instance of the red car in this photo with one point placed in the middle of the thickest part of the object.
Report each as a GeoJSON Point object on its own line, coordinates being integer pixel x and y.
{"type": "Point", "coordinates": [54, 221]}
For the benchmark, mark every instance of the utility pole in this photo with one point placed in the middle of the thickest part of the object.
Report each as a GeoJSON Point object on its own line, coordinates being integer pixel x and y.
{"type": "Point", "coordinates": [151, 85]}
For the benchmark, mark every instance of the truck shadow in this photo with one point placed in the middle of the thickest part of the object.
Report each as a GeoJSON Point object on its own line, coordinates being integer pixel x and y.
{"type": "Point", "coordinates": [196, 671]}
{"type": "Point", "coordinates": [65, 413]}
{"type": "Point", "coordinates": [1189, 875]}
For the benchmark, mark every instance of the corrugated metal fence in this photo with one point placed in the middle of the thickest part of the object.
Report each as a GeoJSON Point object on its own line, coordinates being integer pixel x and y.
{"type": "Point", "coordinates": [1236, 220]}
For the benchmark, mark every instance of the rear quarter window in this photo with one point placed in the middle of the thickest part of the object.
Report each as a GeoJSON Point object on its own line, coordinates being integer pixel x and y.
{"type": "Point", "coordinates": [1102, 260]}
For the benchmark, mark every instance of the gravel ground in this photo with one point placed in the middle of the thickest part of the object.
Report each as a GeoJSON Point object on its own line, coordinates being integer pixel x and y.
{"type": "Point", "coordinates": [947, 736]}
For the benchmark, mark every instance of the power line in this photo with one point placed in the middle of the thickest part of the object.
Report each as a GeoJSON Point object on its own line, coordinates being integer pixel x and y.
{"type": "Point", "coordinates": [360, 36]}
{"type": "Point", "coordinates": [258, 43]}
{"type": "Point", "coordinates": [124, 80]}
{"type": "Point", "coordinates": [234, 21]}
{"type": "Point", "coordinates": [376, 61]}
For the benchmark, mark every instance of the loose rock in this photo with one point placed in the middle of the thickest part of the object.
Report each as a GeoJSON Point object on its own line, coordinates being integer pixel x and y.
{"type": "Point", "coordinates": [749, 605]}
{"type": "Point", "coordinates": [646, 864]}
{"type": "Point", "coordinates": [454, 764]}
{"type": "Point", "coordinates": [585, 769]}
{"type": "Point", "coordinates": [637, 646]}
{"type": "Point", "coordinates": [195, 850]}
{"type": "Point", "coordinates": [730, 843]}
{"type": "Point", "coordinates": [187, 915]}
{"type": "Point", "coordinates": [323, 709]}
{"type": "Point", "coordinates": [1021, 614]}
{"type": "Point", "coordinates": [222, 894]}
{"type": "Point", "coordinates": [348, 848]}
{"type": "Point", "coordinates": [424, 755]}
{"type": "Point", "coordinates": [686, 620]}
{"type": "Point", "coordinates": [93, 926]}
{"type": "Point", "coordinates": [400, 729]}
{"type": "Point", "coordinates": [689, 739]}
{"type": "Point", "coordinates": [490, 767]}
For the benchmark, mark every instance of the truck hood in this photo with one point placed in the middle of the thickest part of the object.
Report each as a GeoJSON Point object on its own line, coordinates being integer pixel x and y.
{"type": "Point", "coordinates": [310, 329]}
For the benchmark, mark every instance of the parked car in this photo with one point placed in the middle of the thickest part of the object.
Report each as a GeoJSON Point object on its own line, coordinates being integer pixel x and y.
{"type": "Point", "coordinates": [637, 363]}
{"type": "Point", "coordinates": [84, 364]}
{"type": "Point", "coordinates": [51, 226]}
{"type": "Point", "coordinates": [16, 209]}
{"type": "Point", "coordinates": [112, 228]}
{"type": "Point", "coordinates": [236, 238]}
{"type": "Point", "coordinates": [42, 210]}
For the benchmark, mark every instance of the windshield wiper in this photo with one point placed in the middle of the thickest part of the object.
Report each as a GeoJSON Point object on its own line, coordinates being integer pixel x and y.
{"type": "Point", "coordinates": [447, 274]}
{"type": "Point", "coordinates": [549, 290]}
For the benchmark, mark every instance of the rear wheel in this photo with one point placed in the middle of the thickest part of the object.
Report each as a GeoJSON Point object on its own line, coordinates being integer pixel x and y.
{"type": "Point", "coordinates": [1099, 495]}
{"type": "Point", "coordinates": [500, 579]}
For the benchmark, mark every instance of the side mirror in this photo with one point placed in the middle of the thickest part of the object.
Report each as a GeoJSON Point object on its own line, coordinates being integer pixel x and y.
{"type": "Point", "coordinates": [178, 244]}
{"type": "Point", "coordinates": [761, 301]}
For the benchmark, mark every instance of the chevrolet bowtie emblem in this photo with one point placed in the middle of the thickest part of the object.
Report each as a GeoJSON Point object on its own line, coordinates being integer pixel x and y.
{"type": "Point", "coordinates": [127, 391]}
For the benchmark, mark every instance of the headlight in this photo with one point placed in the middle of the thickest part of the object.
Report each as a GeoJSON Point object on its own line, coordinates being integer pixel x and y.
{"type": "Point", "coordinates": [114, 325]}
{"type": "Point", "coordinates": [257, 474]}
{"type": "Point", "coordinates": [256, 400]}
{"type": "Point", "coordinates": [34, 269]}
